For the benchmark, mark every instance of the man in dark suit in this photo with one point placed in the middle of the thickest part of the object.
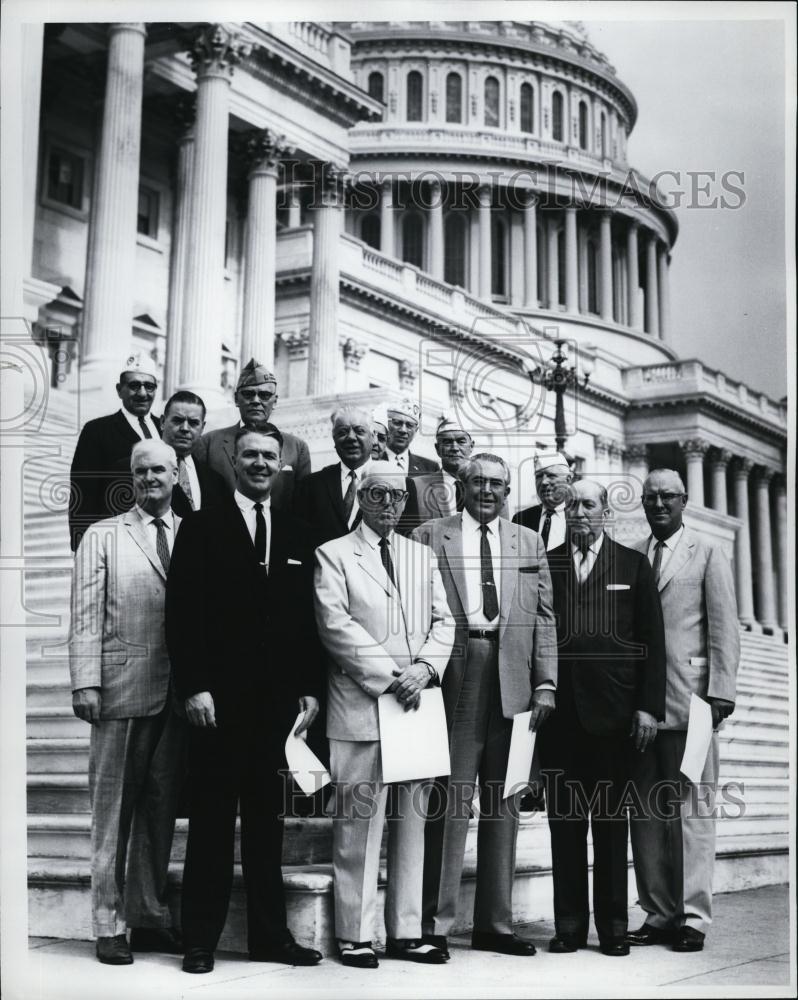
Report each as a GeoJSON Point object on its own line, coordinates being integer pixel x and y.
{"type": "Point", "coordinates": [99, 478]}
{"type": "Point", "coordinates": [328, 499]}
{"type": "Point", "coordinates": [243, 646]}
{"type": "Point", "coordinates": [553, 477]}
{"type": "Point", "coordinates": [197, 484]}
{"type": "Point", "coordinates": [403, 420]}
{"type": "Point", "coordinates": [256, 397]}
{"type": "Point", "coordinates": [610, 695]}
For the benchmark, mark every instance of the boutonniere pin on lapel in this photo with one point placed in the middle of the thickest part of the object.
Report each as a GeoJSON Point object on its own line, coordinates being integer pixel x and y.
{"type": "Point", "coordinates": [617, 586]}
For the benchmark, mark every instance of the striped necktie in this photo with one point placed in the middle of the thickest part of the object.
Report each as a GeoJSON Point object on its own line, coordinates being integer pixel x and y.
{"type": "Point", "coordinates": [161, 545]}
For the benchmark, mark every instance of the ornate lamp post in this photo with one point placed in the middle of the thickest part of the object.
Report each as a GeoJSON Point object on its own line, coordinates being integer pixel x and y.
{"type": "Point", "coordinates": [557, 376]}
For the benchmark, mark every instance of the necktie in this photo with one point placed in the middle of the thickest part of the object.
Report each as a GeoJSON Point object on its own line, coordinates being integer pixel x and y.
{"type": "Point", "coordinates": [544, 531]}
{"type": "Point", "coordinates": [400, 461]}
{"type": "Point", "coordinates": [459, 493]}
{"type": "Point", "coordinates": [490, 603]}
{"type": "Point", "coordinates": [161, 545]}
{"type": "Point", "coordinates": [349, 496]}
{"type": "Point", "coordinates": [583, 565]}
{"type": "Point", "coordinates": [183, 481]}
{"type": "Point", "coordinates": [657, 566]}
{"type": "Point", "coordinates": [144, 428]}
{"type": "Point", "coordinates": [387, 562]}
{"type": "Point", "coordinates": [260, 535]}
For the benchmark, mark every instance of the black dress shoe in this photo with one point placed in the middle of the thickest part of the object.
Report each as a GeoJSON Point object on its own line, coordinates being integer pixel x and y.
{"type": "Point", "coordinates": [614, 947]}
{"type": "Point", "coordinates": [287, 952]}
{"type": "Point", "coordinates": [565, 943]}
{"type": "Point", "coordinates": [688, 939]}
{"type": "Point", "coordinates": [650, 935]}
{"type": "Point", "coordinates": [414, 950]}
{"type": "Point", "coordinates": [198, 960]}
{"type": "Point", "coordinates": [439, 941]}
{"type": "Point", "coordinates": [163, 939]}
{"type": "Point", "coordinates": [114, 950]}
{"type": "Point", "coordinates": [357, 954]}
{"type": "Point", "coordinates": [505, 944]}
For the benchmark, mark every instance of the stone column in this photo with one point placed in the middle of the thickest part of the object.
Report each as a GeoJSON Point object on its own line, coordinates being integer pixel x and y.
{"type": "Point", "coordinates": [32, 45]}
{"type": "Point", "coordinates": [694, 451]}
{"type": "Point", "coordinates": [632, 277]}
{"type": "Point", "coordinates": [215, 53]}
{"type": "Point", "coordinates": [637, 465]}
{"type": "Point", "coordinates": [264, 151]}
{"type": "Point", "coordinates": [387, 220]}
{"type": "Point", "coordinates": [664, 293]}
{"type": "Point", "coordinates": [436, 230]}
{"type": "Point", "coordinates": [108, 310]}
{"type": "Point", "coordinates": [763, 551]}
{"type": "Point", "coordinates": [652, 308]}
{"type": "Point", "coordinates": [531, 252]}
{"type": "Point", "coordinates": [485, 255]}
{"type": "Point", "coordinates": [782, 542]}
{"type": "Point", "coordinates": [742, 543]}
{"type": "Point", "coordinates": [605, 266]}
{"type": "Point", "coordinates": [719, 459]}
{"type": "Point", "coordinates": [552, 264]}
{"type": "Point", "coordinates": [323, 353]}
{"type": "Point", "coordinates": [571, 263]}
{"type": "Point", "coordinates": [294, 208]}
{"type": "Point", "coordinates": [601, 449]}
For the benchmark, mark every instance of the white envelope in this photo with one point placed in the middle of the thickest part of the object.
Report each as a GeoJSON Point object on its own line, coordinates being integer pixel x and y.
{"type": "Point", "coordinates": [308, 771]}
{"type": "Point", "coordinates": [414, 744]}
{"type": "Point", "coordinates": [519, 760]}
{"type": "Point", "coordinates": [699, 736]}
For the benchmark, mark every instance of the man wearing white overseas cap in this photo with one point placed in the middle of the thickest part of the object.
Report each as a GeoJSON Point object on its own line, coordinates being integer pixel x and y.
{"type": "Point", "coordinates": [553, 478]}
{"type": "Point", "coordinates": [403, 418]}
{"type": "Point", "coordinates": [98, 487]}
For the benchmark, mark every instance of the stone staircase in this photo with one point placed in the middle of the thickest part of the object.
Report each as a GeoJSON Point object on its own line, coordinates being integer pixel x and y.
{"type": "Point", "coordinates": [752, 836]}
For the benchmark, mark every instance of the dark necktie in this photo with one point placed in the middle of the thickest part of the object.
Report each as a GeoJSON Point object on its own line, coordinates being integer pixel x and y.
{"type": "Point", "coordinates": [161, 545]}
{"type": "Point", "coordinates": [459, 493]}
{"type": "Point", "coordinates": [544, 531]}
{"type": "Point", "coordinates": [490, 604]}
{"type": "Point", "coordinates": [184, 482]}
{"type": "Point", "coordinates": [387, 562]}
{"type": "Point", "coordinates": [144, 428]}
{"type": "Point", "coordinates": [657, 566]}
{"type": "Point", "coordinates": [349, 496]}
{"type": "Point", "coordinates": [260, 535]}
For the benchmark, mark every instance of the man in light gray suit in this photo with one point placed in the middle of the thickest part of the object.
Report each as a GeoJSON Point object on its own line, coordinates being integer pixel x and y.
{"type": "Point", "coordinates": [383, 619]}
{"type": "Point", "coordinates": [674, 842]}
{"type": "Point", "coordinates": [120, 685]}
{"type": "Point", "coordinates": [504, 662]}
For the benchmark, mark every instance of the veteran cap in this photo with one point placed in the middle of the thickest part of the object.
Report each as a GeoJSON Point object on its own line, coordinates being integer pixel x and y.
{"type": "Point", "coordinates": [405, 408]}
{"type": "Point", "coordinates": [139, 363]}
{"type": "Point", "coordinates": [254, 373]}
{"type": "Point", "coordinates": [450, 422]}
{"type": "Point", "coordinates": [550, 459]}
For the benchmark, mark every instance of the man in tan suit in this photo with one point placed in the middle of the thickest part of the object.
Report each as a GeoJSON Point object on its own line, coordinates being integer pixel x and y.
{"type": "Point", "coordinates": [383, 619]}
{"type": "Point", "coordinates": [674, 842]}
{"type": "Point", "coordinates": [504, 662]}
{"type": "Point", "coordinates": [120, 685]}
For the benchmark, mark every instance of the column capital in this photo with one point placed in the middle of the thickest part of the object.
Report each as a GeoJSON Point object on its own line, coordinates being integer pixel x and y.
{"type": "Point", "coordinates": [693, 447]}
{"type": "Point", "coordinates": [354, 352]}
{"type": "Point", "coordinates": [262, 149]}
{"type": "Point", "coordinates": [601, 444]}
{"type": "Point", "coordinates": [742, 467]}
{"type": "Point", "coordinates": [780, 483]}
{"type": "Point", "coordinates": [331, 184]}
{"type": "Point", "coordinates": [216, 51]}
{"type": "Point", "coordinates": [296, 342]}
{"type": "Point", "coordinates": [720, 456]}
{"type": "Point", "coordinates": [637, 452]}
{"type": "Point", "coordinates": [408, 373]}
{"type": "Point", "coordinates": [763, 474]}
{"type": "Point", "coordinates": [616, 448]}
{"type": "Point", "coordinates": [530, 198]}
{"type": "Point", "coordinates": [184, 113]}
{"type": "Point", "coordinates": [139, 26]}
{"type": "Point", "coordinates": [484, 195]}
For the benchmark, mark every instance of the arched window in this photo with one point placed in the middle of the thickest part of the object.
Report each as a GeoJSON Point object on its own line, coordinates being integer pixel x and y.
{"type": "Point", "coordinates": [492, 102]}
{"type": "Point", "coordinates": [561, 267]}
{"type": "Point", "coordinates": [582, 125]}
{"type": "Point", "coordinates": [454, 98]}
{"type": "Point", "coordinates": [527, 108]}
{"type": "Point", "coordinates": [592, 278]}
{"type": "Point", "coordinates": [603, 135]}
{"type": "Point", "coordinates": [556, 116]}
{"type": "Point", "coordinates": [454, 239]}
{"type": "Point", "coordinates": [375, 85]}
{"type": "Point", "coordinates": [415, 96]}
{"type": "Point", "coordinates": [413, 239]}
{"type": "Point", "coordinates": [498, 279]}
{"type": "Point", "coordinates": [370, 230]}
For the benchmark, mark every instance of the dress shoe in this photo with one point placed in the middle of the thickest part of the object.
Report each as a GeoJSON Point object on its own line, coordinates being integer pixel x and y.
{"type": "Point", "coordinates": [414, 950]}
{"type": "Point", "coordinates": [114, 950]}
{"type": "Point", "coordinates": [164, 939]}
{"type": "Point", "coordinates": [565, 943]}
{"type": "Point", "coordinates": [615, 947]}
{"type": "Point", "coordinates": [439, 941]}
{"type": "Point", "coordinates": [505, 944]}
{"type": "Point", "coordinates": [357, 954]}
{"type": "Point", "coordinates": [198, 960]}
{"type": "Point", "coordinates": [688, 939]}
{"type": "Point", "coordinates": [287, 952]}
{"type": "Point", "coordinates": [650, 935]}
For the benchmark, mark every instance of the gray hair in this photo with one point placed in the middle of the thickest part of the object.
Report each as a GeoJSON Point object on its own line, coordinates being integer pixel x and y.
{"type": "Point", "coordinates": [484, 456]}
{"type": "Point", "coordinates": [361, 411]}
{"type": "Point", "coordinates": [670, 472]}
{"type": "Point", "coordinates": [153, 445]}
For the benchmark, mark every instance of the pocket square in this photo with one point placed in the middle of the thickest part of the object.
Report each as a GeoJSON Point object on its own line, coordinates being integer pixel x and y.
{"type": "Point", "coordinates": [287, 468]}
{"type": "Point", "coordinates": [294, 562]}
{"type": "Point", "coordinates": [617, 586]}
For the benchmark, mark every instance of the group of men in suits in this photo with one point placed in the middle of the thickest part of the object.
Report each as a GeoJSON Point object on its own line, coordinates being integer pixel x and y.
{"type": "Point", "coordinates": [418, 580]}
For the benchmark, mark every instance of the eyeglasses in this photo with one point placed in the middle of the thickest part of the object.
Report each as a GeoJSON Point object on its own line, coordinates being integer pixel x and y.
{"type": "Point", "coordinates": [403, 424]}
{"type": "Point", "coordinates": [148, 387]}
{"type": "Point", "coordinates": [250, 395]}
{"type": "Point", "coordinates": [381, 494]}
{"type": "Point", "coordinates": [650, 499]}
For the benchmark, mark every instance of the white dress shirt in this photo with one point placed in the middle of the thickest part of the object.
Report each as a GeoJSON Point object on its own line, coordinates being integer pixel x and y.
{"type": "Point", "coordinates": [152, 529]}
{"type": "Point", "coordinates": [472, 566]}
{"type": "Point", "coordinates": [400, 460]}
{"type": "Point", "coordinates": [248, 512]}
{"type": "Point", "coordinates": [133, 420]}
{"type": "Point", "coordinates": [669, 546]}
{"type": "Point", "coordinates": [583, 570]}
{"type": "Point", "coordinates": [193, 481]}
{"type": "Point", "coordinates": [556, 527]}
{"type": "Point", "coordinates": [345, 480]}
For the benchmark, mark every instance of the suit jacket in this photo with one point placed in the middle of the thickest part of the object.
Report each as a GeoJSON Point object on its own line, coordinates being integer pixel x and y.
{"type": "Point", "coordinates": [702, 636]}
{"type": "Point", "coordinates": [529, 517]}
{"type": "Point", "coordinates": [213, 490]}
{"type": "Point", "coordinates": [216, 449]}
{"type": "Point", "coordinates": [430, 496]}
{"type": "Point", "coordinates": [319, 501]}
{"type": "Point", "coordinates": [97, 490]}
{"type": "Point", "coordinates": [611, 638]}
{"type": "Point", "coordinates": [365, 630]}
{"type": "Point", "coordinates": [232, 630]}
{"type": "Point", "coordinates": [417, 465]}
{"type": "Point", "coordinates": [527, 639]}
{"type": "Point", "coordinates": [116, 638]}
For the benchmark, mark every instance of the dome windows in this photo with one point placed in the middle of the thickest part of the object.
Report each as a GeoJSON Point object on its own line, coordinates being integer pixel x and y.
{"type": "Point", "coordinates": [491, 116]}
{"type": "Point", "coordinates": [582, 125]}
{"type": "Point", "coordinates": [376, 86]}
{"type": "Point", "coordinates": [370, 230]}
{"type": "Point", "coordinates": [413, 239]}
{"type": "Point", "coordinates": [527, 111]}
{"type": "Point", "coordinates": [455, 246]}
{"type": "Point", "coordinates": [415, 96]}
{"type": "Point", "coordinates": [557, 116]}
{"type": "Point", "coordinates": [454, 98]}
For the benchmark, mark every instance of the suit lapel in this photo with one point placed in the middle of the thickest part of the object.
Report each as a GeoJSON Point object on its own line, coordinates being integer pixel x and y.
{"type": "Point", "coordinates": [123, 428]}
{"type": "Point", "coordinates": [453, 548]}
{"type": "Point", "coordinates": [228, 442]}
{"type": "Point", "coordinates": [604, 562]}
{"type": "Point", "coordinates": [370, 562]}
{"type": "Point", "coordinates": [141, 537]}
{"type": "Point", "coordinates": [332, 481]}
{"type": "Point", "coordinates": [677, 561]}
{"type": "Point", "coordinates": [508, 536]}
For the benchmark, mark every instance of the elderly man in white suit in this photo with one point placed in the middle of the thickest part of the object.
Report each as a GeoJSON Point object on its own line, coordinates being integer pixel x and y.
{"type": "Point", "coordinates": [385, 624]}
{"type": "Point", "coordinates": [120, 685]}
{"type": "Point", "coordinates": [674, 842]}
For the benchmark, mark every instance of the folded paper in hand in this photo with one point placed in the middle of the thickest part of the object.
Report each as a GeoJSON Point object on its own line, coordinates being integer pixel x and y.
{"type": "Point", "coordinates": [519, 759]}
{"type": "Point", "coordinates": [414, 744]}
{"type": "Point", "coordinates": [308, 771]}
{"type": "Point", "coordinates": [699, 735]}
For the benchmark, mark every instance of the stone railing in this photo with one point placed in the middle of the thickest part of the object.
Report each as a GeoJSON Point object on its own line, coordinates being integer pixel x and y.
{"type": "Point", "coordinates": [315, 40]}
